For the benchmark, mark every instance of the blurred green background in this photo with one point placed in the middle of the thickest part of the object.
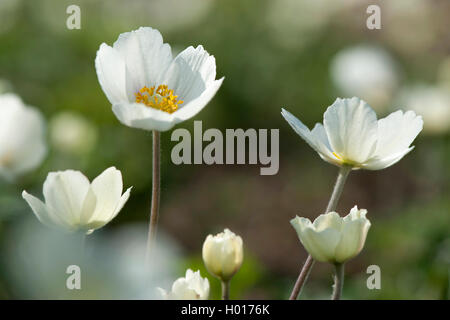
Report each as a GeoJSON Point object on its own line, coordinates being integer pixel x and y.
{"type": "Point", "coordinates": [273, 54]}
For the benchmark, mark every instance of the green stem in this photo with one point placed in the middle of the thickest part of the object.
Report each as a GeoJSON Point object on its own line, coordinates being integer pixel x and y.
{"type": "Point", "coordinates": [338, 281]}
{"type": "Point", "coordinates": [332, 203]}
{"type": "Point", "coordinates": [156, 190]}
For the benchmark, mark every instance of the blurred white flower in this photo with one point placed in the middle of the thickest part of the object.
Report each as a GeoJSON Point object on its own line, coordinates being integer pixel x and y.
{"type": "Point", "coordinates": [191, 287]}
{"type": "Point", "coordinates": [432, 103]}
{"type": "Point", "coordinates": [150, 90]}
{"type": "Point", "coordinates": [365, 71]}
{"type": "Point", "coordinates": [112, 262]}
{"type": "Point", "coordinates": [182, 13]}
{"type": "Point", "coordinates": [293, 23]}
{"type": "Point", "coordinates": [223, 254]}
{"type": "Point", "coordinates": [22, 137]}
{"type": "Point", "coordinates": [72, 133]}
{"type": "Point", "coordinates": [352, 136]}
{"type": "Point", "coordinates": [332, 238]}
{"type": "Point", "coordinates": [74, 204]}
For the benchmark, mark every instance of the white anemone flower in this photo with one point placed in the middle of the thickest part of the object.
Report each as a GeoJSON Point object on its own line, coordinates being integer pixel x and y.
{"type": "Point", "coordinates": [74, 204]}
{"type": "Point", "coordinates": [331, 238]}
{"type": "Point", "coordinates": [22, 137]}
{"type": "Point", "coordinates": [352, 136]}
{"type": "Point", "coordinates": [147, 87]}
{"type": "Point", "coordinates": [191, 287]}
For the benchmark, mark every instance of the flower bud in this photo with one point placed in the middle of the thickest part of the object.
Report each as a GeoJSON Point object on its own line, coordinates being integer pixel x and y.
{"type": "Point", "coordinates": [191, 287]}
{"type": "Point", "coordinates": [331, 238]}
{"type": "Point", "coordinates": [223, 254]}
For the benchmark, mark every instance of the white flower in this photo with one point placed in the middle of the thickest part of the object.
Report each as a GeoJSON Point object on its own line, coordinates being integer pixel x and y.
{"type": "Point", "coordinates": [150, 90]}
{"type": "Point", "coordinates": [22, 137]}
{"type": "Point", "coordinates": [365, 71]}
{"type": "Point", "coordinates": [432, 102]}
{"type": "Point", "coordinates": [351, 135]}
{"type": "Point", "coordinates": [72, 133]}
{"type": "Point", "coordinates": [223, 254]}
{"type": "Point", "coordinates": [191, 287]}
{"type": "Point", "coordinates": [332, 238]}
{"type": "Point", "coordinates": [74, 204]}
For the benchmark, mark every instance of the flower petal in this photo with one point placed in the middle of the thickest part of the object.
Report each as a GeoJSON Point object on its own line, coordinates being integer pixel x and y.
{"type": "Point", "coordinates": [111, 73]}
{"type": "Point", "coordinates": [316, 139]}
{"type": "Point", "coordinates": [88, 209]}
{"type": "Point", "coordinates": [123, 199]}
{"type": "Point", "coordinates": [321, 245]}
{"type": "Point", "coordinates": [396, 132]}
{"type": "Point", "coordinates": [351, 127]}
{"type": "Point", "coordinates": [107, 188]}
{"type": "Point", "coordinates": [64, 193]}
{"type": "Point", "coordinates": [381, 163]}
{"type": "Point", "coordinates": [190, 73]}
{"type": "Point", "coordinates": [40, 210]}
{"type": "Point", "coordinates": [137, 115]}
{"type": "Point", "coordinates": [146, 58]}
{"type": "Point", "coordinates": [328, 220]}
{"type": "Point", "coordinates": [196, 105]}
{"type": "Point", "coordinates": [354, 233]}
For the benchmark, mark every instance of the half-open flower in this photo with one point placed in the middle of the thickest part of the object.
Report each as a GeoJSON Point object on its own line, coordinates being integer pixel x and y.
{"type": "Point", "coordinates": [351, 135]}
{"type": "Point", "coordinates": [150, 90]}
{"type": "Point", "coordinates": [22, 137]}
{"type": "Point", "coordinates": [73, 204]}
{"type": "Point", "coordinates": [331, 238]}
{"type": "Point", "coordinates": [191, 287]}
{"type": "Point", "coordinates": [223, 254]}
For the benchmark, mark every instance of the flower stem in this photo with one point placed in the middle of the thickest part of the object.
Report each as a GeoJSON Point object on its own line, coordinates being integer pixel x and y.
{"type": "Point", "coordinates": [334, 199]}
{"type": "Point", "coordinates": [225, 290]}
{"type": "Point", "coordinates": [302, 277]}
{"type": "Point", "coordinates": [338, 281]}
{"type": "Point", "coordinates": [156, 190]}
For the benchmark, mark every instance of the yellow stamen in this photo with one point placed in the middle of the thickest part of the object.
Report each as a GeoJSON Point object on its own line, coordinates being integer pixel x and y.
{"type": "Point", "coordinates": [162, 98]}
{"type": "Point", "coordinates": [335, 154]}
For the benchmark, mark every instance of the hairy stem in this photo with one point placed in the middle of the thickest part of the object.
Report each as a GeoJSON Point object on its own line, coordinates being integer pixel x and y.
{"type": "Point", "coordinates": [334, 199]}
{"type": "Point", "coordinates": [156, 190]}
{"type": "Point", "coordinates": [338, 281]}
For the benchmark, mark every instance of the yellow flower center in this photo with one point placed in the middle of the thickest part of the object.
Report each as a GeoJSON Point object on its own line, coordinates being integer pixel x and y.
{"type": "Point", "coordinates": [162, 98]}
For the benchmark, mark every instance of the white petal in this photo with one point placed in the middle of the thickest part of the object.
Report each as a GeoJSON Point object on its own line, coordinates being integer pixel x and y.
{"type": "Point", "coordinates": [396, 132]}
{"type": "Point", "coordinates": [321, 245]}
{"type": "Point", "coordinates": [196, 105]}
{"type": "Point", "coordinates": [354, 234]}
{"type": "Point", "coordinates": [190, 73]}
{"type": "Point", "coordinates": [329, 220]}
{"type": "Point", "coordinates": [146, 58]}
{"type": "Point", "coordinates": [40, 210]}
{"type": "Point", "coordinates": [137, 115]}
{"type": "Point", "coordinates": [381, 163]}
{"type": "Point", "coordinates": [123, 199]}
{"type": "Point", "coordinates": [111, 73]}
{"type": "Point", "coordinates": [64, 193]}
{"type": "Point", "coordinates": [107, 188]}
{"type": "Point", "coordinates": [351, 127]}
{"type": "Point", "coordinates": [316, 139]}
{"type": "Point", "coordinates": [88, 208]}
